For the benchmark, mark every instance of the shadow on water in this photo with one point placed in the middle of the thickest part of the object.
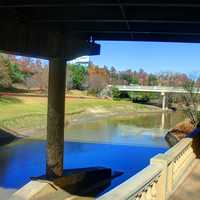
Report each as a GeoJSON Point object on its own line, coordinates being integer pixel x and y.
{"type": "Point", "coordinates": [84, 181]}
{"type": "Point", "coordinates": [26, 158]}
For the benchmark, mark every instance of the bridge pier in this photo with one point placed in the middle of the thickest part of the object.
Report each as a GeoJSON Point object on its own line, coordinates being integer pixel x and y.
{"type": "Point", "coordinates": [162, 121]}
{"type": "Point", "coordinates": [58, 45]}
{"type": "Point", "coordinates": [163, 101]}
{"type": "Point", "coordinates": [56, 100]}
{"type": "Point", "coordinates": [56, 115]}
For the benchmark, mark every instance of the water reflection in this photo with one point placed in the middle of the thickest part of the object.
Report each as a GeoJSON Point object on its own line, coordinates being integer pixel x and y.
{"type": "Point", "coordinates": [162, 121]}
{"type": "Point", "coordinates": [146, 129]}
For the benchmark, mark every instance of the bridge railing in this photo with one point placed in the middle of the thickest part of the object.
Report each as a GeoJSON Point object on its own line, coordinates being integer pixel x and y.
{"type": "Point", "coordinates": [159, 180]}
{"type": "Point", "coordinates": [166, 89]}
{"type": "Point", "coordinates": [151, 88]}
{"type": "Point", "coordinates": [144, 185]}
{"type": "Point", "coordinates": [179, 159]}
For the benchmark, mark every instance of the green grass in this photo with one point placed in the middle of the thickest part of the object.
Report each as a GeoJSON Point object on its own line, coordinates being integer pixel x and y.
{"type": "Point", "coordinates": [31, 112]}
{"type": "Point", "coordinates": [17, 106]}
{"type": "Point", "coordinates": [83, 104]}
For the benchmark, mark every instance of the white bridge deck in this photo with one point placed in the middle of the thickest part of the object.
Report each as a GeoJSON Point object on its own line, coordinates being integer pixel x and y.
{"type": "Point", "coordinates": [158, 89]}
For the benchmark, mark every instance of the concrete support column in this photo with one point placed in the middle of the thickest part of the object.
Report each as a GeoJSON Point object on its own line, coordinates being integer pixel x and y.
{"type": "Point", "coordinates": [162, 121]}
{"type": "Point", "coordinates": [55, 119]}
{"type": "Point", "coordinates": [163, 100]}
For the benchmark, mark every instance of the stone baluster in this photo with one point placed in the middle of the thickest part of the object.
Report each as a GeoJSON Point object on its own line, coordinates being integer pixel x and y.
{"type": "Point", "coordinates": [148, 193]}
{"type": "Point", "coordinates": [153, 191]}
{"type": "Point", "coordinates": [143, 197]}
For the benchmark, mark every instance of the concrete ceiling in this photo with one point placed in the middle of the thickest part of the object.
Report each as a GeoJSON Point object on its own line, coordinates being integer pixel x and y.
{"type": "Point", "coordinates": [137, 20]}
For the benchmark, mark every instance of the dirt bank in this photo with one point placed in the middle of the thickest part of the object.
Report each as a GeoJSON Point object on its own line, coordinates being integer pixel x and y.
{"type": "Point", "coordinates": [180, 131]}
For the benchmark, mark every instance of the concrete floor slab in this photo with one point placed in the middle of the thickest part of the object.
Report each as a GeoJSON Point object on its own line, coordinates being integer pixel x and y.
{"type": "Point", "coordinates": [190, 187]}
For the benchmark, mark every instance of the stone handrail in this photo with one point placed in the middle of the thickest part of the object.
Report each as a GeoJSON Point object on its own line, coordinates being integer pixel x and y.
{"type": "Point", "coordinates": [143, 185]}
{"type": "Point", "coordinates": [179, 159]}
{"type": "Point", "coordinates": [159, 180]}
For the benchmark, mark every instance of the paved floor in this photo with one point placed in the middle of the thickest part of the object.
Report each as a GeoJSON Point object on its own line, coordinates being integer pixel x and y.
{"type": "Point", "coordinates": [190, 188]}
{"type": "Point", "coordinates": [5, 193]}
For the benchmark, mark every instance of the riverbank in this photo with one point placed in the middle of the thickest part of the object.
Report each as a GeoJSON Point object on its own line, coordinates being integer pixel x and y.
{"type": "Point", "coordinates": [25, 114]}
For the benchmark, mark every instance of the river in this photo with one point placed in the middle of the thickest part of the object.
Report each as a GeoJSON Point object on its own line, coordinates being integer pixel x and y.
{"type": "Point", "coordinates": [124, 144]}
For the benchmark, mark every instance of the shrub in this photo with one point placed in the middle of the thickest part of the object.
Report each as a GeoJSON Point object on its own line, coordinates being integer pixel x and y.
{"type": "Point", "coordinates": [115, 93]}
{"type": "Point", "coordinates": [139, 97]}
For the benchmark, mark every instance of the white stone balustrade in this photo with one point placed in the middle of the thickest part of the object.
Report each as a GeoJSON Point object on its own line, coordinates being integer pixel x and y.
{"type": "Point", "coordinates": [180, 158]}
{"type": "Point", "coordinates": [142, 186]}
{"type": "Point", "coordinates": [160, 179]}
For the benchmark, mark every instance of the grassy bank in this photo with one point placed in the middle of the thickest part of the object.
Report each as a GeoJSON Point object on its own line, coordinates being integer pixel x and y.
{"type": "Point", "coordinates": [19, 113]}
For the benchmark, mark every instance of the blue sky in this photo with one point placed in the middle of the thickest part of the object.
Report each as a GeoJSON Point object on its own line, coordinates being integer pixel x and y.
{"type": "Point", "coordinates": [153, 57]}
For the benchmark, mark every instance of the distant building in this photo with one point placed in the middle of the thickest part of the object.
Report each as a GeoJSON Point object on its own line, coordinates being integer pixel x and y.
{"type": "Point", "coordinates": [84, 60]}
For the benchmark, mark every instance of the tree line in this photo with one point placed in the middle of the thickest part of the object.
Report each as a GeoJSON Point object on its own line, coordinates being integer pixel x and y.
{"type": "Point", "coordinates": [33, 73]}
{"type": "Point", "coordinates": [26, 72]}
{"type": "Point", "coordinates": [95, 78]}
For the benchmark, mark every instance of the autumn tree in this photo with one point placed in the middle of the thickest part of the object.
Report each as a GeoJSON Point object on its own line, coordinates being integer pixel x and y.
{"type": "Point", "coordinates": [38, 70]}
{"type": "Point", "coordinates": [143, 77]}
{"type": "Point", "coordinates": [98, 78]}
{"type": "Point", "coordinates": [10, 71]}
{"type": "Point", "coordinates": [113, 76]}
{"type": "Point", "coordinates": [41, 78]}
{"type": "Point", "coordinates": [172, 79]}
{"type": "Point", "coordinates": [5, 80]}
{"type": "Point", "coordinates": [127, 76]}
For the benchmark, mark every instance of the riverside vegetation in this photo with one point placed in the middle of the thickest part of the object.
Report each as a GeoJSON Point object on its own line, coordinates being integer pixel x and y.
{"type": "Point", "coordinates": [20, 74]}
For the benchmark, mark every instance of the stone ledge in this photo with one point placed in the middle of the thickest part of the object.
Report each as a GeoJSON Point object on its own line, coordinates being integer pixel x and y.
{"type": "Point", "coordinates": [34, 190]}
{"type": "Point", "coordinates": [74, 184]}
{"type": "Point", "coordinates": [43, 190]}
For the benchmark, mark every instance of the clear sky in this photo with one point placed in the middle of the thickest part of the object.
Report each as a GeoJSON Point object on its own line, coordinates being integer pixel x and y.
{"type": "Point", "coordinates": [153, 57]}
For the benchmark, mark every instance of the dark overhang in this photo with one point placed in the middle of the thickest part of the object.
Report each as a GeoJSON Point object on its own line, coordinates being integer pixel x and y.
{"type": "Point", "coordinates": [137, 20]}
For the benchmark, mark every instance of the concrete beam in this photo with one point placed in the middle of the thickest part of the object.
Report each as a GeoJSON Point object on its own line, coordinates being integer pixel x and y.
{"type": "Point", "coordinates": [43, 41]}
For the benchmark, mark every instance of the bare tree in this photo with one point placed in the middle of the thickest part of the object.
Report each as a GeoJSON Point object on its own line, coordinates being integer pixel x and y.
{"type": "Point", "coordinates": [42, 78]}
{"type": "Point", "coordinates": [96, 83]}
{"type": "Point", "coordinates": [192, 101]}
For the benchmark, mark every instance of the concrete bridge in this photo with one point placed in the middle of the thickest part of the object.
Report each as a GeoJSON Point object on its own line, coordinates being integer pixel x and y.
{"type": "Point", "coordinates": [163, 90]}
{"type": "Point", "coordinates": [61, 31]}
